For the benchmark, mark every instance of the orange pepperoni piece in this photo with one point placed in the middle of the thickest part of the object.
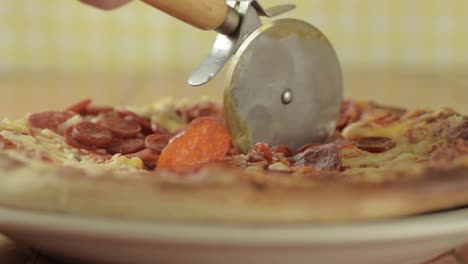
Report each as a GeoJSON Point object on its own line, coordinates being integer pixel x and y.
{"type": "Point", "coordinates": [157, 142]}
{"type": "Point", "coordinates": [204, 139]}
{"type": "Point", "coordinates": [80, 106]}
{"type": "Point", "coordinates": [50, 120]}
{"type": "Point", "coordinates": [91, 134]}
{"type": "Point", "coordinates": [121, 127]}
{"type": "Point", "coordinates": [126, 146]}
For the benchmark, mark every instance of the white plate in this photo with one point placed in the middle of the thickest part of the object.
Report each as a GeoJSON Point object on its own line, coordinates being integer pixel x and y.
{"type": "Point", "coordinates": [410, 240]}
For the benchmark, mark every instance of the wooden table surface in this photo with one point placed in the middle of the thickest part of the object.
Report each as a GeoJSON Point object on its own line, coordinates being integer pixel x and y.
{"type": "Point", "coordinates": [39, 92]}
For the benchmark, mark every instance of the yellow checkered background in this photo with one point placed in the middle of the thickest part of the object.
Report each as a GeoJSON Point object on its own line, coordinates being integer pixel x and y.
{"type": "Point", "coordinates": [65, 35]}
{"type": "Point", "coordinates": [57, 48]}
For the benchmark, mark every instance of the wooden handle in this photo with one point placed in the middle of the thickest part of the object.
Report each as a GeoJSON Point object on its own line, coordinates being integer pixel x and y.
{"type": "Point", "coordinates": [203, 14]}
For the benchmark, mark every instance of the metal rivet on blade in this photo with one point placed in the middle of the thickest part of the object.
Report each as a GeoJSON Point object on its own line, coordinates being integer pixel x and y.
{"type": "Point", "coordinates": [287, 97]}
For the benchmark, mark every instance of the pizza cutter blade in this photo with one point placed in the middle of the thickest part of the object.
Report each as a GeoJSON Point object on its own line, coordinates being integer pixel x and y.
{"type": "Point", "coordinates": [284, 85]}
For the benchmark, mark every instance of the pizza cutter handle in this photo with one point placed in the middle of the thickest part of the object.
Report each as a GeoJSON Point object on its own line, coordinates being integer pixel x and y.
{"type": "Point", "coordinates": [203, 14]}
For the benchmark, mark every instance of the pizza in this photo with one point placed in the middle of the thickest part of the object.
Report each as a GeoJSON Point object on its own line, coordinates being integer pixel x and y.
{"type": "Point", "coordinates": [174, 161]}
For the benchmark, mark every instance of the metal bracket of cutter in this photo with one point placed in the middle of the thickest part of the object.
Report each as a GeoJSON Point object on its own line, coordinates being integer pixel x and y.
{"type": "Point", "coordinates": [225, 46]}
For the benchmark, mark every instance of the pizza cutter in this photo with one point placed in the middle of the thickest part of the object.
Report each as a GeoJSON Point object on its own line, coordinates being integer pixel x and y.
{"type": "Point", "coordinates": [284, 83]}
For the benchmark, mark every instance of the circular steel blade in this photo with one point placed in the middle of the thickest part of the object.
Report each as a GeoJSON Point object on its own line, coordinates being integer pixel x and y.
{"type": "Point", "coordinates": [284, 86]}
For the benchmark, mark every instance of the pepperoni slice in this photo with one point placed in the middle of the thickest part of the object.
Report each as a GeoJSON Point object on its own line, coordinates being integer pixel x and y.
{"type": "Point", "coordinates": [260, 152]}
{"type": "Point", "coordinates": [80, 106]}
{"type": "Point", "coordinates": [349, 113]}
{"type": "Point", "coordinates": [121, 127]}
{"type": "Point", "coordinates": [126, 146]}
{"type": "Point", "coordinates": [130, 116]}
{"type": "Point", "coordinates": [157, 142]}
{"type": "Point", "coordinates": [204, 109]}
{"type": "Point", "coordinates": [70, 140]}
{"type": "Point", "coordinates": [91, 134]}
{"type": "Point", "coordinates": [281, 149]}
{"type": "Point", "coordinates": [149, 157]}
{"type": "Point", "coordinates": [50, 120]}
{"type": "Point", "coordinates": [204, 139]}
{"type": "Point", "coordinates": [96, 110]}
{"type": "Point", "coordinates": [375, 144]}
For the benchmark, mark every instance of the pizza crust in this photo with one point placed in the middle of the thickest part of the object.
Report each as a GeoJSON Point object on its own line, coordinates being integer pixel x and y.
{"type": "Point", "coordinates": [426, 171]}
{"type": "Point", "coordinates": [230, 196]}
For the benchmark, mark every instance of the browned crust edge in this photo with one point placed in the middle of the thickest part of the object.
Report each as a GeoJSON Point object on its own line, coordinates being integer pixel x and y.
{"type": "Point", "coordinates": [226, 196]}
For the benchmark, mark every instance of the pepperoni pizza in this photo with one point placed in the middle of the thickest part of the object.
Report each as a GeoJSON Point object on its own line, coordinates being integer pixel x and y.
{"type": "Point", "coordinates": [176, 162]}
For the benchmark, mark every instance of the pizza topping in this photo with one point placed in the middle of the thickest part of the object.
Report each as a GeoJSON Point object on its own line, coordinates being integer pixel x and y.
{"type": "Point", "coordinates": [398, 111]}
{"type": "Point", "coordinates": [47, 120]}
{"type": "Point", "coordinates": [279, 167]}
{"type": "Point", "coordinates": [132, 117]}
{"type": "Point", "coordinates": [79, 107]}
{"type": "Point", "coordinates": [349, 113]}
{"type": "Point", "coordinates": [457, 149]}
{"type": "Point", "coordinates": [6, 144]}
{"type": "Point", "coordinates": [70, 140]}
{"type": "Point", "coordinates": [324, 157]}
{"type": "Point", "coordinates": [204, 139]}
{"type": "Point", "coordinates": [305, 147]}
{"type": "Point", "coordinates": [464, 131]}
{"type": "Point", "coordinates": [415, 113]}
{"type": "Point", "coordinates": [157, 142]}
{"type": "Point", "coordinates": [441, 115]}
{"type": "Point", "coordinates": [206, 142]}
{"type": "Point", "coordinates": [260, 152]}
{"type": "Point", "coordinates": [148, 156]}
{"type": "Point", "coordinates": [375, 144]}
{"type": "Point", "coordinates": [461, 131]}
{"type": "Point", "coordinates": [96, 110]}
{"type": "Point", "coordinates": [203, 109]}
{"type": "Point", "coordinates": [338, 139]}
{"type": "Point", "coordinates": [232, 150]}
{"type": "Point", "coordinates": [121, 127]}
{"type": "Point", "coordinates": [229, 162]}
{"type": "Point", "coordinates": [382, 116]}
{"type": "Point", "coordinates": [126, 146]}
{"type": "Point", "coordinates": [281, 149]}
{"type": "Point", "coordinates": [91, 134]}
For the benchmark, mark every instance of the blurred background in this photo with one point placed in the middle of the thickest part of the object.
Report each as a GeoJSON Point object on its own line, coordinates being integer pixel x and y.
{"type": "Point", "coordinates": [411, 53]}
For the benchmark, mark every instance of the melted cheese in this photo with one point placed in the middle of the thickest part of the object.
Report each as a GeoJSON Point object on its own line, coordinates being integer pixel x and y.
{"type": "Point", "coordinates": [413, 135]}
{"type": "Point", "coordinates": [415, 139]}
{"type": "Point", "coordinates": [46, 143]}
{"type": "Point", "coordinates": [363, 129]}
